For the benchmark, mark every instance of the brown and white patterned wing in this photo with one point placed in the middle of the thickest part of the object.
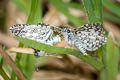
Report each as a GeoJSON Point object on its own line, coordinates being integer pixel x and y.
{"type": "Point", "coordinates": [41, 32]}
{"type": "Point", "coordinates": [90, 36]}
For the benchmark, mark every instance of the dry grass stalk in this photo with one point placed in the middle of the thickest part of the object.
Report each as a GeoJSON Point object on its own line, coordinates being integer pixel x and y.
{"type": "Point", "coordinates": [11, 63]}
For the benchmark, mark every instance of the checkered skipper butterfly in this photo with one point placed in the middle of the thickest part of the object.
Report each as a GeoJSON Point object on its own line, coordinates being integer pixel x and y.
{"type": "Point", "coordinates": [43, 33]}
{"type": "Point", "coordinates": [88, 37]}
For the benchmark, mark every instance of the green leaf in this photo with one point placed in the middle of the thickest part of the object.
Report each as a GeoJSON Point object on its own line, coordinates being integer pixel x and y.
{"type": "Point", "coordinates": [112, 60]}
{"type": "Point", "coordinates": [35, 14]}
{"type": "Point", "coordinates": [98, 11]}
{"type": "Point", "coordinates": [23, 5]}
{"type": "Point", "coordinates": [64, 9]}
{"type": "Point", "coordinates": [25, 62]}
{"type": "Point", "coordinates": [111, 17]}
{"type": "Point", "coordinates": [59, 50]}
{"type": "Point", "coordinates": [3, 74]}
{"type": "Point", "coordinates": [17, 61]}
{"type": "Point", "coordinates": [112, 6]}
{"type": "Point", "coordinates": [103, 75]}
{"type": "Point", "coordinates": [89, 7]}
{"type": "Point", "coordinates": [70, 4]}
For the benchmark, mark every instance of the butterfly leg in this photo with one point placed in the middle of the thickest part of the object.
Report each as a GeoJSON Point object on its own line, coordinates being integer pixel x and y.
{"type": "Point", "coordinates": [38, 53]}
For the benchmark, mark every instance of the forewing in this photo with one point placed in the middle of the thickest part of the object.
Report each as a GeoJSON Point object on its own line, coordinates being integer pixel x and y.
{"type": "Point", "coordinates": [39, 32]}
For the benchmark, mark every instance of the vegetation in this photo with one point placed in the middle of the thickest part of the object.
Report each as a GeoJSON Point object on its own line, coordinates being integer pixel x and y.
{"type": "Point", "coordinates": [108, 55]}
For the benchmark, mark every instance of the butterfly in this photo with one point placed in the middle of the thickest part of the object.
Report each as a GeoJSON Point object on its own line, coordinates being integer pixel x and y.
{"type": "Point", "coordinates": [43, 33]}
{"type": "Point", "coordinates": [88, 37]}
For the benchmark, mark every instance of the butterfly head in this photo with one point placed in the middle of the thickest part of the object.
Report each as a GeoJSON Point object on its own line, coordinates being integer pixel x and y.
{"type": "Point", "coordinates": [67, 34]}
{"type": "Point", "coordinates": [65, 30]}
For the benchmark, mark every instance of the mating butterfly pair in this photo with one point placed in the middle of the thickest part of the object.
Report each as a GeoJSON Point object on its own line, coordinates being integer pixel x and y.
{"type": "Point", "coordinates": [88, 37]}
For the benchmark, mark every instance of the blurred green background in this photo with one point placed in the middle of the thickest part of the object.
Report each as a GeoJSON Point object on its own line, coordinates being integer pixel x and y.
{"type": "Point", "coordinates": [73, 13]}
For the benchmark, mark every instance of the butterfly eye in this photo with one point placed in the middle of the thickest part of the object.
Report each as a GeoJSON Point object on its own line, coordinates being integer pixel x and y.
{"type": "Point", "coordinates": [68, 31]}
{"type": "Point", "coordinates": [75, 32]}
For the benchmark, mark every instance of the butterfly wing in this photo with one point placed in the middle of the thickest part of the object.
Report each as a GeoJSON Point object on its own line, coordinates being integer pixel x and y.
{"type": "Point", "coordinates": [41, 32]}
{"type": "Point", "coordinates": [90, 36]}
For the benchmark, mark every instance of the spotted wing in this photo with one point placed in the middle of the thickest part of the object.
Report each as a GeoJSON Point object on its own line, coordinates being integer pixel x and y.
{"type": "Point", "coordinates": [90, 36]}
{"type": "Point", "coordinates": [41, 32]}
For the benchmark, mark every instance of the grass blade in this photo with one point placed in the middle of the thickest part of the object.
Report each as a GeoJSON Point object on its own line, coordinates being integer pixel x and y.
{"type": "Point", "coordinates": [3, 74]}
{"type": "Point", "coordinates": [9, 61]}
{"type": "Point", "coordinates": [26, 62]}
{"type": "Point", "coordinates": [112, 7]}
{"type": "Point", "coordinates": [89, 7]}
{"type": "Point", "coordinates": [17, 60]}
{"type": "Point", "coordinates": [24, 6]}
{"type": "Point", "coordinates": [98, 11]}
{"type": "Point", "coordinates": [35, 14]}
{"type": "Point", "coordinates": [73, 5]}
{"type": "Point", "coordinates": [111, 60]}
{"type": "Point", "coordinates": [111, 17]}
{"type": "Point", "coordinates": [62, 8]}
{"type": "Point", "coordinates": [59, 50]}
